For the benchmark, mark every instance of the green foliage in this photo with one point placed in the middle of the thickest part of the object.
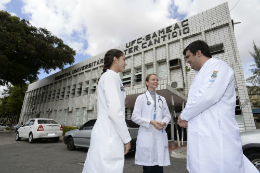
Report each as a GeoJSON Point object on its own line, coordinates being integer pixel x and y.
{"type": "Point", "coordinates": [11, 103]}
{"type": "Point", "coordinates": [25, 49]}
{"type": "Point", "coordinates": [68, 128]}
{"type": "Point", "coordinates": [255, 79]}
{"type": "Point", "coordinates": [187, 69]}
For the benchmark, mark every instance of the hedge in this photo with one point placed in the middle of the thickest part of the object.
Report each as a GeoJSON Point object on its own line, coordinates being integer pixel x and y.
{"type": "Point", "coordinates": [67, 128]}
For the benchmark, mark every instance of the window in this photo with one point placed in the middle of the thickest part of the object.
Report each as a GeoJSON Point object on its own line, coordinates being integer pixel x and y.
{"type": "Point", "coordinates": [149, 70]}
{"type": "Point", "coordinates": [27, 123]}
{"type": "Point", "coordinates": [90, 115]}
{"type": "Point", "coordinates": [53, 95]}
{"type": "Point", "coordinates": [126, 80]}
{"type": "Point", "coordinates": [47, 122]}
{"type": "Point", "coordinates": [138, 76]}
{"type": "Point", "coordinates": [89, 124]}
{"type": "Point", "coordinates": [62, 93]}
{"type": "Point", "coordinates": [162, 71]}
{"type": "Point", "coordinates": [215, 49]}
{"type": "Point", "coordinates": [94, 86]}
{"type": "Point", "coordinates": [175, 63]}
{"type": "Point", "coordinates": [55, 115]}
{"type": "Point", "coordinates": [65, 118]}
{"type": "Point", "coordinates": [77, 116]}
{"type": "Point", "coordinates": [84, 115]}
{"type": "Point", "coordinates": [49, 96]}
{"type": "Point", "coordinates": [73, 90]}
{"type": "Point", "coordinates": [68, 92]}
{"type": "Point", "coordinates": [239, 119]}
{"type": "Point", "coordinates": [60, 117]}
{"type": "Point", "coordinates": [31, 122]}
{"type": "Point", "coordinates": [79, 89]}
{"type": "Point", "coordinates": [58, 95]}
{"type": "Point", "coordinates": [86, 88]}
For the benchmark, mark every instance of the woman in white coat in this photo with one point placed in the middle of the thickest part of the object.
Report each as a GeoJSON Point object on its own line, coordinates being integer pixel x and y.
{"type": "Point", "coordinates": [110, 138]}
{"type": "Point", "coordinates": [152, 114]}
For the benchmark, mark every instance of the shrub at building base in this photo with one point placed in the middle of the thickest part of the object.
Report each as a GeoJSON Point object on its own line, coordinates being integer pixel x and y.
{"type": "Point", "coordinates": [68, 128]}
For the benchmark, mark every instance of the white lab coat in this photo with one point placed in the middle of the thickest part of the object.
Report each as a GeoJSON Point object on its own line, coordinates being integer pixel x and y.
{"type": "Point", "coordinates": [152, 144]}
{"type": "Point", "coordinates": [106, 151]}
{"type": "Point", "coordinates": [214, 143]}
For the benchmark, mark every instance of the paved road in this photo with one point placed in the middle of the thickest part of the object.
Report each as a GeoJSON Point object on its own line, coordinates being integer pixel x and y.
{"type": "Point", "coordinates": [47, 156]}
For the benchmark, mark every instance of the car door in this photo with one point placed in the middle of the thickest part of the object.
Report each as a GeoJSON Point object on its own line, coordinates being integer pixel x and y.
{"type": "Point", "coordinates": [28, 128]}
{"type": "Point", "coordinates": [82, 136]}
{"type": "Point", "coordinates": [22, 129]}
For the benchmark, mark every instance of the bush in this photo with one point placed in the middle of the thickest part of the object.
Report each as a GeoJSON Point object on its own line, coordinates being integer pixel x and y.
{"type": "Point", "coordinates": [7, 128]}
{"type": "Point", "coordinates": [67, 128]}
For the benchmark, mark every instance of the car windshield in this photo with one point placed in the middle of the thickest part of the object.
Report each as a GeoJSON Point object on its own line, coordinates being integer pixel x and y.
{"type": "Point", "coordinates": [46, 122]}
{"type": "Point", "coordinates": [131, 124]}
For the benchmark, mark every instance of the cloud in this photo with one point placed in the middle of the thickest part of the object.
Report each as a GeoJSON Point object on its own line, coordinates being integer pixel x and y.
{"type": "Point", "coordinates": [13, 14]}
{"type": "Point", "coordinates": [92, 27]}
{"type": "Point", "coordinates": [2, 90]}
{"type": "Point", "coordinates": [2, 4]}
{"type": "Point", "coordinates": [246, 12]}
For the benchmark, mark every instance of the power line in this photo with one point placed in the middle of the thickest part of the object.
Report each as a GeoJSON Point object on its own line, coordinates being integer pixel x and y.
{"type": "Point", "coordinates": [235, 5]}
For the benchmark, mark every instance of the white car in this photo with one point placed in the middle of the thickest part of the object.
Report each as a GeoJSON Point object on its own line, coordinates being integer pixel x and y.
{"type": "Point", "coordinates": [37, 128]}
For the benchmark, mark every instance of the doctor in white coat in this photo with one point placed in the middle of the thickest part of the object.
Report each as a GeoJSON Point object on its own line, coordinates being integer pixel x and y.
{"type": "Point", "coordinates": [110, 138]}
{"type": "Point", "coordinates": [214, 143]}
{"type": "Point", "coordinates": [152, 114]}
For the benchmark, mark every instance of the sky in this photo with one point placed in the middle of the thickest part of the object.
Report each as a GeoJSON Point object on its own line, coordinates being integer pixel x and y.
{"type": "Point", "coordinates": [93, 26]}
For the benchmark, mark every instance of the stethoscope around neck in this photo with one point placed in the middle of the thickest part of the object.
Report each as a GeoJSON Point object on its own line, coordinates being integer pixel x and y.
{"type": "Point", "coordinates": [148, 102]}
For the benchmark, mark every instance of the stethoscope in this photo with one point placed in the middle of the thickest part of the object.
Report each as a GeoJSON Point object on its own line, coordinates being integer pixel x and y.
{"type": "Point", "coordinates": [148, 102]}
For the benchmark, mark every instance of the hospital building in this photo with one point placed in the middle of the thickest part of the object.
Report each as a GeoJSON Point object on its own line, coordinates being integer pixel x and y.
{"type": "Point", "coordinates": [70, 97]}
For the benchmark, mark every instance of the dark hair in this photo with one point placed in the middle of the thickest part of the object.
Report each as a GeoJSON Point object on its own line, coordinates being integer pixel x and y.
{"type": "Point", "coordinates": [198, 45]}
{"type": "Point", "coordinates": [148, 77]}
{"type": "Point", "coordinates": [109, 58]}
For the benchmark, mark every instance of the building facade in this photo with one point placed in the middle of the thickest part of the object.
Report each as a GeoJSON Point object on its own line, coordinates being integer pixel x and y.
{"type": "Point", "coordinates": [69, 96]}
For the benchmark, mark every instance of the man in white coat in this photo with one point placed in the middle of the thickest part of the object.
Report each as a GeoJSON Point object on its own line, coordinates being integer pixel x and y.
{"type": "Point", "coordinates": [214, 143]}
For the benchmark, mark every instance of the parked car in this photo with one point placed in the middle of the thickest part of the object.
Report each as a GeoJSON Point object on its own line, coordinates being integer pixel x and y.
{"type": "Point", "coordinates": [3, 126]}
{"type": "Point", "coordinates": [37, 128]}
{"type": "Point", "coordinates": [251, 146]}
{"type": "Point", "coordinates": [81, 137]}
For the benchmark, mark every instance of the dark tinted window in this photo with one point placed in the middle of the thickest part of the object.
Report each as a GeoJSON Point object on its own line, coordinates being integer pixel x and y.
{"type": "Point", "coordinates": [131, 124]}
{"type": "Point", "coordinates": [46, 122]}
{"type": "Point", "coordinates": [90, 123]}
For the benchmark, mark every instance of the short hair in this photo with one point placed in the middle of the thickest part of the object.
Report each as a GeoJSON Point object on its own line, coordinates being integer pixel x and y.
{"type": "Point", "coordinates": [198, 45]}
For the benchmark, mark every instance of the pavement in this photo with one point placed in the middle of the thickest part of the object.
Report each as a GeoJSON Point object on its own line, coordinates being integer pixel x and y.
{"type": "Point", "coordinates": [48, 156]}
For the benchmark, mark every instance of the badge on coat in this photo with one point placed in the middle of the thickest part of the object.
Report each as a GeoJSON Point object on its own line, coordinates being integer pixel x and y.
{"type": "Point", "coordinates": [213, 76]}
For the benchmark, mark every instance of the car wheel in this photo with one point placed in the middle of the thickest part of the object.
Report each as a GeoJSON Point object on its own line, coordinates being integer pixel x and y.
{"type": "Point", "coordinates": [255, 159]}
{"type": "Point", "coordinates": [31, 140]}
{"type": "Point", "coordinates": [17, 138]}
{"type": "Point", "coordinates": [56, 139]}
{"type": "Point", "coordinates": [70, 144]}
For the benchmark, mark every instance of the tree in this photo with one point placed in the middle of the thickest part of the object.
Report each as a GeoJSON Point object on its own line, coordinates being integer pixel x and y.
{"type": "Point", "coordinates": [25, 49]}
{"type": "Point", "coordinates": [255, 79]}
{"type": "Point", "coordinates": [11, 103]}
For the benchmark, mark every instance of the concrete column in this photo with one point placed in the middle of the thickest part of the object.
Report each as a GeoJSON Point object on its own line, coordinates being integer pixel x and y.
{"type": "Point", "coordinates": [168, 65]}
{"type": "Point", "coordinates": [154, 62]}
{"type": "Point", "coordinates": [132, 72]}
{"type": "Point", "coordinates": [143, 76]}
{"type": "Point", "coordinates": [183, 64]}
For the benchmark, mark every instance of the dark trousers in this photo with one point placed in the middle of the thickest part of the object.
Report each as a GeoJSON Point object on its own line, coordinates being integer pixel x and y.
{"type": "Point", "coordinates": [152, 169]}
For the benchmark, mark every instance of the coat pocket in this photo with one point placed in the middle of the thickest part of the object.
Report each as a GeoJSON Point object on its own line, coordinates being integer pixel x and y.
{"type": "Point", "coordinates": [144, 140]}
{"type": "Point", "coordinates": [165, 139]}
{"type": "Point", "coordinates": [115, 148]}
